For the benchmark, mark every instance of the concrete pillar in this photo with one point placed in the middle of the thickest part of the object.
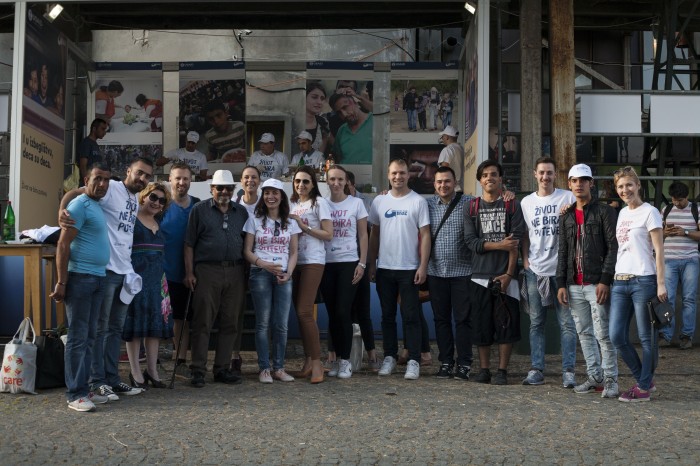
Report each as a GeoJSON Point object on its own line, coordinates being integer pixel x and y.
{"type": "Point", "coordinates": [530, 90]}
{"type": "Point", "coordinates": [563, 109]}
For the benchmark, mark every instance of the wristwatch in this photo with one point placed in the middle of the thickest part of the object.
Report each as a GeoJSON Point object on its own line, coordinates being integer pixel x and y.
{"type": "Point", "coordinates": [687, 233]}
{"type": "Point", "coordinates": [364, 266]}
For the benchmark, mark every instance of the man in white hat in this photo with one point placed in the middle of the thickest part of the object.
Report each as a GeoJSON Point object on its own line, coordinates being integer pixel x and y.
{"type": "Point", "coordinates": [271, 163]}
{"type": "Point", "coordinates": [214, 271]}
{"type": "Point", "coordinates": [308, 155]}
{"type": "Point", "coordinates": [452, 155]}
{"type": "Point", "coordinates": [190, 155]}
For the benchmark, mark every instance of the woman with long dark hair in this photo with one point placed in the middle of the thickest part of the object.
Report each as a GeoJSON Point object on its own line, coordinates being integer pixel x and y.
{"type": "Point", "coordinates": [316, 124]}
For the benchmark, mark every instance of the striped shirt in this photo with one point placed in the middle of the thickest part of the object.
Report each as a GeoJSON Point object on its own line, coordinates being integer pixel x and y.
{"type": "Point", "coordinates": [681, 247]}
{"type": "Point", "coordinates": [450, 256]}
{"type": "Point", "coordinates": [222, 143]}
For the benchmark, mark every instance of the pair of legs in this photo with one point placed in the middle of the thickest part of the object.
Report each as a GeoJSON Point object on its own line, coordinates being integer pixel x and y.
{"type": "Point", "coordinates": [220, 292]}
{"type": "Point", "coordinates": [628, 300]}
{"type": "Point", "coordinates": [449, 298]}
{"type": "Point", "coordinates": [685, 272]}
{"type": "Point", "coordinates": [495, 319]}
{"type": "Point", "coordinates": [182, 316]}
{"type": "Point", "coordinates": [338, 294]}
{"type": "Point", "coordinates": [412, 117]}
{"type": "Point", "coordinates": [132, 350]}
{"type": "Point", "coordinates": [593, 327]}
{"type": "Point", "coordinates": [390, 284]}
{"type": "Point", "coordinates": [306, 280]}
{"type": "Point", "coordinates": [538, 318]}
{"type": "Point", "coordinates": [84, 295]}
{"type": "Point", "coordinates": [272, 302]}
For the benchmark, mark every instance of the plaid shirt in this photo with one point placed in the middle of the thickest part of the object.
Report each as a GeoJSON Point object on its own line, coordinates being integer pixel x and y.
{"type": "Point", "coordinates": [450, 256]}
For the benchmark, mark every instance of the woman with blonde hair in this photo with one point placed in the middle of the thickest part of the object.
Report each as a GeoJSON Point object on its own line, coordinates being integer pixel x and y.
{"type": "Point", "coordinates": [639, 276]}
{"type": "Point", "coordinates": [148, 317]}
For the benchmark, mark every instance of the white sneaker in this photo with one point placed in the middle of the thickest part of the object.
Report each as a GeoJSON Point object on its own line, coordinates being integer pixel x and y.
{"type": "Point", "coordinates": [82, 405]}
{"type": "Point", "coordinates": [282, 376]}
{"type": "Point", "coordinates": [265, 376]}
{"type": "Point", "coordinates": [97, 399]}
{"type": "Point", "coordinates": [412, 370]}
{"type": "Point", "coordinates": [345, 370]}
{"type": "Point", "coordinates": [335, 367]}
{"type": "Point", "coordinates": [388, 366]}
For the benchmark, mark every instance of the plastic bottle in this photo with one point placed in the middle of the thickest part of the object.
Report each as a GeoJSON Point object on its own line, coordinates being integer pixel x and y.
{"type": "Point", "coordinates": [322, 171]}
{"type": "Point", "coordinates": [8, 228]}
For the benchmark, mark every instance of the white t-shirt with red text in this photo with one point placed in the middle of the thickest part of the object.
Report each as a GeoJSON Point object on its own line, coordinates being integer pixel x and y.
{"type": "Point", "coordinates": [311, 249]}
{"type": "Point", "coordinates": [635, 251]}
{"type": "Point", "coordinates": [345, 214]}
{"type": "Point", "coordinates": [271, 242]}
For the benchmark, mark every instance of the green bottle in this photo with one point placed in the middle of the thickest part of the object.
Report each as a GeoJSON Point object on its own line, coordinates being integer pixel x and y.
{"type": "Point", "coordinates": [8, 228]}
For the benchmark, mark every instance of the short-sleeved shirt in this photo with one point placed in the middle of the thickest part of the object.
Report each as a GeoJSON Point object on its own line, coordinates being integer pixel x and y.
{"type": "Point", "coordinates": [221, 143]}
{"type": "Point", "coordinates": [345, 214]}
{"type": "Point", "coordinates": [207, 236]}
{"type": "Point", "coordinates": [311, 249]}
{"type": "Point", "coordinates": [541, 215]}
{"type": "Point", "coordinates": [271, 243]}
{"type": "Point", "coordinates": [453, 154]}
{"type": "Point", "coordinates": [355, 148]}
{"type": "Point", "coordinates": [89, 251]}
{"type": "Point", "coordinates": [635, 250]}
{"type": "Point", "coordinates": [399, 220]}
{"type": "Point", "coordinates": [195, 160]}
{"type": "Point", "coordinates": [681, 247]}
{"type": "Point", "coordinates": [313, 159]}
{"type": "Point", "coordinates": [90, 150]}
{"type": "Point", "coordinates": [449, 257]}
{"type": "Point", "coordinates": [271, 166]}
{"type": "Point", "coordinates": [120, 207]}
{"type": "Point", "coordinates": [174, 226]}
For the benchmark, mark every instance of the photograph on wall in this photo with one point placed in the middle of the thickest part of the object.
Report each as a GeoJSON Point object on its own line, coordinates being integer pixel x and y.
{"type": "Point", "coordinates": [212, 104]}
{"type": "Point", "coordinates": [43, 124]}
{"type": "Point", "coordinates": [423, 100]}
{"type": "Point", "coordinates": [339, 110]}
{"type": "Point", "coordinates": [422, 161]}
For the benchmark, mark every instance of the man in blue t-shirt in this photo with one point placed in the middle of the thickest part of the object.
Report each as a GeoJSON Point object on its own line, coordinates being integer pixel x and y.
{"type": "Point", "coordinates": [81, 257]}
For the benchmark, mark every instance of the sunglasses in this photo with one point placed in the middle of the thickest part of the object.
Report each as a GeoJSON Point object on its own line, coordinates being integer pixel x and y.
{"type": "Point", "coordinates": [302, 181]}
{"type": "Point", "coordinates": [626, 169]}
{"type": "Point", "coordinates": [278, 225]}
{"type": "Point", "coordinates": [225, 225]}
{"type": "Point", "coordinates": [153, 197]}
{"type": "Point", "coordinates": [222, 188]}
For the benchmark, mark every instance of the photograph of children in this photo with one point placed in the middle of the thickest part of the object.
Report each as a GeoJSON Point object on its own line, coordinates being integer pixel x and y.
{"type": "Point", "coordinates": [130, 105]}
{"type": "Point", "coordinates": [422, 164]}
{"type": "Point", "coordinates": [339, 118]}
{"type": "Point", "coordinates": [216, 110]}
{"type": "Point", "coordinates": [119, 157]}
{"type": "Point", "coordinates": [423, 105]}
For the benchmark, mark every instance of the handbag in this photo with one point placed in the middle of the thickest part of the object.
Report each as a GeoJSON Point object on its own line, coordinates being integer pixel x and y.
{"type": "Point", "coordinates": [18, 372]}
{"type": "Point", "coordinates": [50, 365]}
{"type": "Point", "coordinates": [660, 313]}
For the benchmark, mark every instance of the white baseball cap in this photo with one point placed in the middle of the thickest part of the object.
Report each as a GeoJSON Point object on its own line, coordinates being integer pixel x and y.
{"type": "Point", "coordinates": [267, 137]}
{"type": "Point", "coordinates": [130, 287]}
{"type": "Point", "coordinates": [272, 183]}
{"type": "Point", "coordinates": [222, 178]}
{"type": "Point", "coordinates": [305, 135]}
{"type": "Point", "coordinates": [580, 171]}
{"type": "Point", "coordinates": [449, 130]}
{"type": "Point", "coordinates": [193, 136]}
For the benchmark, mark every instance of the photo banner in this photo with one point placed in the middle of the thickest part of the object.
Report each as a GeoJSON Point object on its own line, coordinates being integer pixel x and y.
{"type": "Point", "coordinates": [471, 105]}
{"type": "Point", "coordinates": [129, 97]}
{"type": "Point", "coordinates": [213, 104]}
{"type": "Point", "coordinates": [339, 112]}
{"type": "Point", "coordinates": [43, 124]}
{"type": "Point", "coordinates": [424, 100]}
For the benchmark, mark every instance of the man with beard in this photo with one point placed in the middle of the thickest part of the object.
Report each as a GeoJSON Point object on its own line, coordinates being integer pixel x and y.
{"type": "Point", "coordinates": [174, 225]}
{"type": "Point", "coordinates": [353, 142]}
{"type": "Point", "coordinates": [120, 206]}
{"type": "Point", "coordinates": [214, 271]}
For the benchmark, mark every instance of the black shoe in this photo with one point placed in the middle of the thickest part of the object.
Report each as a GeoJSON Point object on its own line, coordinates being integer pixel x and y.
{"type": "Point", "coordinates": [134, 383]}
{"type": "Point", "coordinates": [462, 372]}
{"type": "Point", "coordinates": [197, 379]}
{"type": "Point", "coordinates": [484, 376]}
{"type": "Point", "coordinates": [236, 366]}
{"type": "Point", "coordinates": [445, 371]}
{"type": "Point", "coordinates": [226, 376]}
{"type": "Point", "coordinates": [156, 383]}
{"type": "Point", "coordinates": [501, 377]}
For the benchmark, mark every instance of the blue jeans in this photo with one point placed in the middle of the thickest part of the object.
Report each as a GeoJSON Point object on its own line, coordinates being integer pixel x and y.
{"type": "Point", "coordinates": [272, 302]}
{"type": "Point", "coordinates": [538, 318]}
{"type": "Point", "coordinates": [629, 299]}
{"type": "Point", "coordinates": [686, 272]}
{"type": "Point", "coordinates": [390, 285]}
{"type": "Point", "coordinates": [84, 293]}
{"type": "Point", "coordinates": [108, 341]}
{"type": "Point", "coordinates": [412, 118]}
{"type": "Point", "coordinates": [593, 327]}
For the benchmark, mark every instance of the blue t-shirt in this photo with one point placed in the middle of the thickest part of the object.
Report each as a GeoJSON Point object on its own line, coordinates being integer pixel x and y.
{"type": "Point", "coordinates": [89, 251]}
{"type": "Point", "coordinates": [173, 226]}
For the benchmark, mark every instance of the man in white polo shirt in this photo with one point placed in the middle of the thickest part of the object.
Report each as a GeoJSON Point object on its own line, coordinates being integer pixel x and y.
{"type": "Point", "coordinates": [189, 154]}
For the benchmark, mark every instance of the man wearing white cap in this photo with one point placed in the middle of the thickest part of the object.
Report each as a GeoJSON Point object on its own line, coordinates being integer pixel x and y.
{"type": "Point", "coordinates": [190, 155]}
{"type": "Point", "coordinates": [271, 163]}
{"type": "Point", "coordinates": [308, 155]}
{"type": "Point", "coordinates": [214, 271]}
{"type": "Point", "coordinates": [585, 271]}
{"type": "Point", "coordinates": [452, 155]}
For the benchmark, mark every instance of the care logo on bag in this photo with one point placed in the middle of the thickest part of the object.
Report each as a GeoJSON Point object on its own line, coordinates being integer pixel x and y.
{"type": "Point", "coordinates": [12, 371]}
{"type": "Point", "coordinates": [19, 361]}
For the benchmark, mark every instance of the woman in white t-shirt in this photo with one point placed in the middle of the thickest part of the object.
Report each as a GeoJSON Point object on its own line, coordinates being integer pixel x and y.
{"type": "Point", "coordinates": [271, 248]}
{"type": "Point", "coordinates": [313, 216]}
{"type": "Point", "coordinates": [344, 268]}
{"type": "Point", "coordinates": [639, 276]}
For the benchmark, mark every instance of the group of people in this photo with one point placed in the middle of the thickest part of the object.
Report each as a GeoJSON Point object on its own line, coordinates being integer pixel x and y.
{"type": "Point", "coordinates": [423, 110]}
{"type": "Point", "coordinates": [139, 260]}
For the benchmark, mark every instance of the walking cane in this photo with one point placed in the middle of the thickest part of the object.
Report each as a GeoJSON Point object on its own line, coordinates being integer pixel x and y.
{"type": "Point", "coordinates": [179, 340]}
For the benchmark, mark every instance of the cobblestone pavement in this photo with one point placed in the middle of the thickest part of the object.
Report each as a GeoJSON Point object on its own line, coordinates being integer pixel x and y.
{"type": "Point", "coordinates": [366, 420]}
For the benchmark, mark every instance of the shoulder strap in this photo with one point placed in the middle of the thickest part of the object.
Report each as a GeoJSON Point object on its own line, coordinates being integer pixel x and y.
{"type": "Point", "coordinates": [447, 214]}
{"type": "Point", "coordinates": [694, 210]}
{"type": "Point", "coordinates": [474, 206]}
{"type": "Point", "coordinates": [667, 210]}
